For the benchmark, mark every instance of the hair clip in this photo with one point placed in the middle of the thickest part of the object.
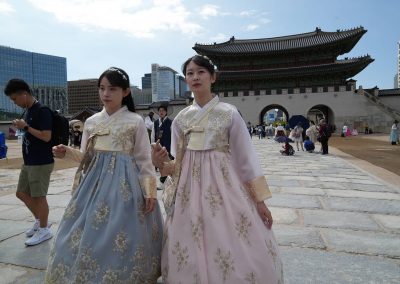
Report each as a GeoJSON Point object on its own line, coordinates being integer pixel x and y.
{"type": "Point", "coordinates": [209, 60]}
{"type": "Point", "coordinates": [119, 72]}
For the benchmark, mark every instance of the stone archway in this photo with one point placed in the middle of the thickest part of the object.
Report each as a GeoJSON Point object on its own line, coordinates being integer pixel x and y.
{"type": "Point", "coordinates": [283, 112]}
{"type": "Point", "coordinates": [318, 112]}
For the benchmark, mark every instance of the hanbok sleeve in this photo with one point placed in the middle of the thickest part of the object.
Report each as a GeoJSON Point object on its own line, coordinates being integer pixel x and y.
{"type": "Point", "coordinates": [141, 152]}
{"type": "Point", "coordinates": [245, 160]}
{"type": "Point", "coordinates": [175, 135]}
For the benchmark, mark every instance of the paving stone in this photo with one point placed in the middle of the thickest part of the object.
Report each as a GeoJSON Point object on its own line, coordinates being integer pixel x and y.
{"type": "Point", "coordinates": [302, 190]}
{"type": "Point", "coordinates": [36, 277]}
{"type": "Point", "coordinates": [9, 228]}
{"type": "Point", "coordinates": [55, 214]}
{"type": "Point", "coordinates": [373, 243]}
{"type": "Point", "coordinates": [309, 178]}
{"type": "Point", "coordinates": [333, 179]}
{"type": "Point", "coordinates": [298, 236]}
{"type": "Point", "coordinates": [363, 194]}
{"type": "Point", "coordinates": [339, 219]}
{"type": "Point", "coordinates": [325, 184]}
{"type": "Point", "coordinates": [294, 201]}
{"type": "Point", "coordinates": [53, 190]}
{"type": "Point", "coordinates": [10, 199]}
{"type": "Point", "coordinates": [10, 273]}
{"type": "Point", "coordinates": [364, 205]}
{"type": "Point", "coordinates": [365, 181]}
{"type": "Point", "coordinates": [299, 184]}
{"type": "Point", "coordinates": [5, 208]}
{"type": "Point", "coordinates": [17, 213]}
{"type": "Point", "coordinates": [283, 215]}
{"type": "Point", "coordinates": [370, 187]}
{"type": "Point", "coordinates": [284, 182]}
{"type": "Point", "coordinates": [388, 221]}
{"type": "Point", "coordinates": [59, 200]}
{"type": "Point", "coordinates": [13, 251]}
{"type": "Point", "coordinates": [309, 266]}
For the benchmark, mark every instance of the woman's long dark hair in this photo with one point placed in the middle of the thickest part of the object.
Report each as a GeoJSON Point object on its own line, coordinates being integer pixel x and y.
{"type": "Point", "coordinates": [119, 78]}
{"type": "Point", "coordinates": [200, 60]}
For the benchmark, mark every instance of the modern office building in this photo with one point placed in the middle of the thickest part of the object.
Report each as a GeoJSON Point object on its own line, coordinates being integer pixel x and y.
{"type": "Point", "coordinates": [162, 83]}
{"type": "Point", "coordinates": [181, 87]}
{"type": "Point", "coordinates": [83, 94]}
{"type": "Point", "coordinates": [146, 81]}
{"type": "Point", "coordinates": [46, 74]}
{"type": "Point", "coordinates": [166, 84]}
{"type": "Point", "coordinates": [398, 65]}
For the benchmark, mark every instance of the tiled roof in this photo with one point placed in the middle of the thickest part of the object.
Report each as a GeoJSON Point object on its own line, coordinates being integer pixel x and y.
{"type": "Point", "coordinates": [351, 66]}
{"type": "Point", "coordinates": [279, 44]}
{"type": "Point", "coordinates": [389, 92]}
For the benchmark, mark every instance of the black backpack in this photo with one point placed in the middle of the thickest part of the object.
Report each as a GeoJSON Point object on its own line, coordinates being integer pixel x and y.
{"type": "Point", "coordinates": [60, 129]}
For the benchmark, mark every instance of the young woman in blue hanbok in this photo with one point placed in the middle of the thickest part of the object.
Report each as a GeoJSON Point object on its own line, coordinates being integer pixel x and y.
{"type": "Point", "coordinates": [111, 231]}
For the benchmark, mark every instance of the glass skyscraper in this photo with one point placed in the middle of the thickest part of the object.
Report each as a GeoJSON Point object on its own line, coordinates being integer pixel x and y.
{"type": "Point", "coordinates": [166, 84]}
{"type": "Point", "coordinates": [46, 75]}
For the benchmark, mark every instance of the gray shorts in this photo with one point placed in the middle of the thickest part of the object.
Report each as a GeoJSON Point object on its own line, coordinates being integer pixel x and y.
{"type": "Point", "coordinates": [34, 180]}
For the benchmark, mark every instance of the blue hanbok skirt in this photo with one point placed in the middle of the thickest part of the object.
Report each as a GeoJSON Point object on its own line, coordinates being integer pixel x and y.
{"type": "Point", "coordinates": [104, 235]}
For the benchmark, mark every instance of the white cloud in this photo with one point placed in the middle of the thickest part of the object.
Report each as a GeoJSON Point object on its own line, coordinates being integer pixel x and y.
{"type": "Point", "coordinates": [5, 7]}
{"type": "Point", "coordinates": [209, 10]}
{"type": "Point", "coordinates": [219, 38]}
{"type": "Point", "coordinates": [137, 18]}
{"type": "Point", "coordinates": [251, 27]}
{"type": "Point", "coordinates": [247, 13]}
{"type": "Point", "coordinates": [264, 20]}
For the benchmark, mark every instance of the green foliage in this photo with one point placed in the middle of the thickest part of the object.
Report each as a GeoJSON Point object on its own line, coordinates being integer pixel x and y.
{"type": "Point", "coordinates": [276, 123]}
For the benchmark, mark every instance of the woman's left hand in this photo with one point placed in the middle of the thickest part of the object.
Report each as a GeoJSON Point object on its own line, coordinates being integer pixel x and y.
{"type": "Point", "coordinates": [265, 214]}
{"type": "Point", "coordinates": [150, 203]}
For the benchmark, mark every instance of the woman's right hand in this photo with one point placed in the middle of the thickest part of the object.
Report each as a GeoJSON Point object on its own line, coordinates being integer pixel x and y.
{"type": "Point", "coordinates": [59, 151]}
{"type": "Point", "coordinates": [159, 155]}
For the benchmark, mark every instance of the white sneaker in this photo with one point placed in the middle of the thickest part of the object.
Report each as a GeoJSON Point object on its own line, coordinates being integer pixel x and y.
{"type": "Point", "coordinates": [33, 230]}
{"type": "Point", "coordinates": [41, 235]}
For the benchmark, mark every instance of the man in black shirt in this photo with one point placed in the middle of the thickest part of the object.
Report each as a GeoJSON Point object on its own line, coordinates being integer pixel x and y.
{"type": "Point", "coordinates": [162, 131]}
{"type": "Point", "coordinates": [37, 153]}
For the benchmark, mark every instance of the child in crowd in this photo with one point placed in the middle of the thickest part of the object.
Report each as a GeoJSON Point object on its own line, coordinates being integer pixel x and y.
{"type": "Point", "coordinates": [287, 149]}
{"type": "Point", "coordinates": [308, 145]}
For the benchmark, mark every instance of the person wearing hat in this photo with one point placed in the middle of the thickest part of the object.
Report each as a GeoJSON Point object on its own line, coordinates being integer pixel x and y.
{"type": "Point", "coordinates": [149, 121]}
{"type": "Point", "coordinates": [394, 134]}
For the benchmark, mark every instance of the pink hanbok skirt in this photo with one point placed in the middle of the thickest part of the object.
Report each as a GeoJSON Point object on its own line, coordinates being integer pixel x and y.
{"type": "Point", "coordinates": [215, 234]}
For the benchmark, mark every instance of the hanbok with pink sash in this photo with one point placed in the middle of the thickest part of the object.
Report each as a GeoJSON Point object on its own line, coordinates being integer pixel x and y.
{"type": "Point", "coordinates": [215, 234]}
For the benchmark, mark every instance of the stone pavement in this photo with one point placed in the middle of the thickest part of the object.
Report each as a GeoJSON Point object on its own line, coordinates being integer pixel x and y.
{"type": "Point", "coordinates": [335, 222]}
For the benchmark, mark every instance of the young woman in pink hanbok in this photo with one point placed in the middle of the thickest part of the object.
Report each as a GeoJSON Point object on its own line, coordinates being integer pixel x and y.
{"type": "Point", "coordinates": [218, 227]}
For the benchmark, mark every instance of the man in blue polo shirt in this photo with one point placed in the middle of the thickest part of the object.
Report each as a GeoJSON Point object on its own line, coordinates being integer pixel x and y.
{"type": "Point", "coordinates": [38, 164]}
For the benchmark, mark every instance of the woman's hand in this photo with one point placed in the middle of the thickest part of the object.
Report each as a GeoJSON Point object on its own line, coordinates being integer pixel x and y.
{"type": "Point", "coordinates": [59, 151]}
{"type": "Point", "coordinates": [150, 204]}
{"type": "Point", "coordinates": [265, 214]}
{"type": "Point", "coordinates": [159, 155]}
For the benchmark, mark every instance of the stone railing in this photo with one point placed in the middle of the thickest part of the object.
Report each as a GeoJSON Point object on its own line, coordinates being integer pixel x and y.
{"type": "Point", "coordinates": [378, 102]}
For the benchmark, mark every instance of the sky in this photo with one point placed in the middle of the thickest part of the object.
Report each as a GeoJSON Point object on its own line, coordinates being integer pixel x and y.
{"type": "Point", "coordinates": [132, 34]}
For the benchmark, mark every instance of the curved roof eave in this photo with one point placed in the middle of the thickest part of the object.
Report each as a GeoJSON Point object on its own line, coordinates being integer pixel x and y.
{"type": "Point", "coordinates": [290, 43]}
{"type": "Point", "coordinates": [356, 64]}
